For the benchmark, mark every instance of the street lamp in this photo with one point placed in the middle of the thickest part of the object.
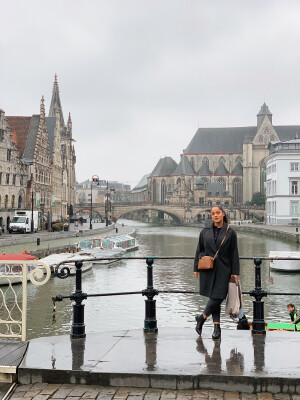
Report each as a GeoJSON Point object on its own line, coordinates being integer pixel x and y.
{"type": "Point", "coordinates": [108, 205]}
{"type": "Point", "coordinates": [95, 179]}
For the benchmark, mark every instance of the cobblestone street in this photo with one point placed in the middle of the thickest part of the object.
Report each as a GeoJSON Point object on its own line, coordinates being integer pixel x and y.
{"type": "Point", "coordinates": [44, 391]}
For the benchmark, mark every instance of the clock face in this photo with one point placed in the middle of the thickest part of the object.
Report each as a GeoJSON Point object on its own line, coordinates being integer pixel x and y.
{"type": "Point", "coordinates": [266, 130]}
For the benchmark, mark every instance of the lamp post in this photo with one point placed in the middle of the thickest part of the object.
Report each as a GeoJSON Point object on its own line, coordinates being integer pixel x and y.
{"type": "Point", "coordinates": [95, 179]}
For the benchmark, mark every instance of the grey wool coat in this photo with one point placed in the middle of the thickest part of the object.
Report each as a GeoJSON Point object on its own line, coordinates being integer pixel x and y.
{"type": "Point", "coordinates": [214, 282]}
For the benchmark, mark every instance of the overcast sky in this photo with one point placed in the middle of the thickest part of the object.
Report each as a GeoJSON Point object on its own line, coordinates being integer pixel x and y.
{"type": "Point", "coordinates": [140, 76]}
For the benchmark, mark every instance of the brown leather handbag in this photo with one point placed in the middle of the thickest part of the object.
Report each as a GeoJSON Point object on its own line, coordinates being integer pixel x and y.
{"type": "Point", "coordinates": [207, 262]}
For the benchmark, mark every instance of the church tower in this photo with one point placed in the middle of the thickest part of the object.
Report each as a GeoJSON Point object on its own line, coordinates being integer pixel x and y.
{"type": "Point", "coordinates": [261, 115]}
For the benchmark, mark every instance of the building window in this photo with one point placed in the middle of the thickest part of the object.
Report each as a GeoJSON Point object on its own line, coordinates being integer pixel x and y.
{"type": "Point", "coordinates": [13, 201]}
{"type": "Point", "coordinates": [294, 188]}
{"type": "Point", "coordinates": [0, 178]}
{"type": "Point", "coordinates": [8, 155]}
{"type": "Point", "coordinates": [21, 180]}
{"type": "Point", "coordinates": [294, 207]}
{"type": "Point", "coordinates": [14, 179]}
{"type": "Point", "coordinates": [7, 179]}
{"type": "Point", "coordinates": [5, 201]}
{"type": "Point", "coordinates": [201, 201]}
{"type": "Point", "coordinates": [294, 166]}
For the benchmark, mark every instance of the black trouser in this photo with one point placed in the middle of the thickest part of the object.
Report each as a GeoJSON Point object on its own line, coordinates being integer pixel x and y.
{"type": "Point", "coordinates": [213, 307]}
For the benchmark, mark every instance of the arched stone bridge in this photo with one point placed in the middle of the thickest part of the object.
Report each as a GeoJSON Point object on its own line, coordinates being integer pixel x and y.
{"type": "Point", "coordinates": [180, 213]}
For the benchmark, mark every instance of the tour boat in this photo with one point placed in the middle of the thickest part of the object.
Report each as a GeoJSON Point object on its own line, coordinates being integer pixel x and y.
{"type": "Point", "coordinates": [53, 259]}
{"type": "Point", "coordinates": [108, 247]}
{"type": "Point", "coordinates": [285, 265]}
{"type": "Point", "coordinates": [12, 273]}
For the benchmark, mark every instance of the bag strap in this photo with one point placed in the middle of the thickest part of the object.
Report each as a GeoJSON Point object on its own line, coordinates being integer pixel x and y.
{"type": "Point", "coordinates": [221, 242]}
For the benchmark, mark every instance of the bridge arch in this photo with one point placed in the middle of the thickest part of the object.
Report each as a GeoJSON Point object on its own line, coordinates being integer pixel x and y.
{"type": "Point", "coordinates": [119, 211]}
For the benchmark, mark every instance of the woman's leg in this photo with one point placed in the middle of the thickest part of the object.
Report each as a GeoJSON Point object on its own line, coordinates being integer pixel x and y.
{"type": "Point", "coordinates": [213, 307]}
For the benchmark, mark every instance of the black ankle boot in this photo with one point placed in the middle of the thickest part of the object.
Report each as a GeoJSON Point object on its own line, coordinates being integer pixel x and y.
{"type": "Point", "coordinates": [200, 321]}
{"type": "Point", "coordinates": [217, 332]}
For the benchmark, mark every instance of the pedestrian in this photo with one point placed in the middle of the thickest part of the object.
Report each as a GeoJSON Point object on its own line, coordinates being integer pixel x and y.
{"type": "Point", "coordinates": [295, 316]}
{"type": "Point", "coordinates": [214, 282]}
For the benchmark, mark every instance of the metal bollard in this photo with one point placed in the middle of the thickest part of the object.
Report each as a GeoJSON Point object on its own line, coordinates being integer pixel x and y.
{"type": "Point", "coordinates": [78, 325]}
{"type": "Point", "coordinates": [150, 323]}
{"type": "Point", "coordinates": [38, 241]}
{"type": "Point", "coordinates": [258, 305]}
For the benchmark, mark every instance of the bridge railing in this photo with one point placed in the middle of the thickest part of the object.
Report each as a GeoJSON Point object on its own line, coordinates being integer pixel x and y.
{"type": "Point", "coordinates": [13, 294]}
{"type": "Point", "coordinates": [150, 321]}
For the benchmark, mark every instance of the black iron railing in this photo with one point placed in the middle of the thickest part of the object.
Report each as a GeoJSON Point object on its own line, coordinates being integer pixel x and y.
{"type": "Point", "coordinates": [150, 321]}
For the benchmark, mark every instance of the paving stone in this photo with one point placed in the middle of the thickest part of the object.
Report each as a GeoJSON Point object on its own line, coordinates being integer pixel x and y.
{"type": "Point", "coordinates": [50, 389]}
{"type": "Point", "coordinates": [168, 394]}
{"type": "Point", "coordinates": [264, 396]}
{"type": "Point", "coordinates": [72, 398]}
{"type": "Point", "coordinates": [41, 397]}
{"type": "Point", "coordinates": [130, 397]}
{"type": "Point", "coordinates": [248, 396]}
{"type": "Point", "coordinates": [231, 395]}
{"type": "Point", "coordinates": [62, 392]}
{"type": "Point", "coordinates": [295, 397]}
{"type": "Point", "coordinates": [281, 396]}
{"type": "Point", "coordinates": [200, 394]}
{"type": "Point", "coordinates": [32, 393]}
{"type": "Point", "coordinates": [79, 391]}
{"type": "Point", "coordinates": [103, 396]}
{"type": "Point", "coordinates": [215, 394]}
{"type": "Point", "coordinates": [40, 386]}
{"type": "Point", "coordinates": [16, 396]}
{"type": "Point", "coordinates": [138, 392]}
{"type": "Point", "coordinates": [90, 393]}
{"type": "Point", "coordinates": [108, 390]}
{"type": "Point", "coordinates": [23, 388]}
{"type": "Point", "coordinates": [184, 396]}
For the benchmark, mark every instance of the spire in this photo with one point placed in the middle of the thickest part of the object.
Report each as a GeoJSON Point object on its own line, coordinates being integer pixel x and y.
{"type": "Point", "coordinates": [262, 113]}
{"type": "Point", "coordinates": [42, 108]}
{"type": "Point", "coordinates": [69, 125]}
{"type": "Point", "coordinates": [55, 102]}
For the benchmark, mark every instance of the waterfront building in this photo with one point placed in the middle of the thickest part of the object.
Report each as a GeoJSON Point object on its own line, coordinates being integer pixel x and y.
{"type": "Point", "coordinates": [62, 155]}
{"type": "Point", "coordinates": [13, 173]}
{"type": "Point", "coordinates": [45, 145]}
{"type": "Point", "coordinates": [231, 156]}
{"type": "Point", "coordinates": [283, 182]}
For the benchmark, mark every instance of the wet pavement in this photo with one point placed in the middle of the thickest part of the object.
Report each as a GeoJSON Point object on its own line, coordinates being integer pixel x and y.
{"type": "Point", "coordinates": [44, 391]}
{"type": "Point", "coordinates": [171, 359]}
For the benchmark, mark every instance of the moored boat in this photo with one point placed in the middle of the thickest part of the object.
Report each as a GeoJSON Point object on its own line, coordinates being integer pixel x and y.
{"type": "Point", "coordinates": [12, 271]}
{"type": "Point", "coordinates": [288, 265]}
{"type": "Point", "coordinates": [69, 261]}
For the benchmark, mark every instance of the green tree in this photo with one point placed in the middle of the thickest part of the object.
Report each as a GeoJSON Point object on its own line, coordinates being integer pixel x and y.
{"type": "Point", "coordinates": [258, 199]}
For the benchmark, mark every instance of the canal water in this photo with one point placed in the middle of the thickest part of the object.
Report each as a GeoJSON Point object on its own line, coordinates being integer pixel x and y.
{"type": "Point", "coordinates": [173, 310]}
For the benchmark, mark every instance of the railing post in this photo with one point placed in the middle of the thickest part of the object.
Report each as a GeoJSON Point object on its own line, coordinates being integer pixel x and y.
{"type": "Point", "coordinates": [150, 323]}
{"type": "Point", "coordinates": [78, 326]}
{"type": "Point", "coordinates": [258, 304]}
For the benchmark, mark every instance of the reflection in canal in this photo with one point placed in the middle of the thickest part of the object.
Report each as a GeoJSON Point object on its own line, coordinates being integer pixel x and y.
{"type": "Point", "coordinates": [173, 310]}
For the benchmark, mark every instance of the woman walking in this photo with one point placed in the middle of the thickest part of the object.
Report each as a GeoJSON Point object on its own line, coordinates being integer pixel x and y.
{"type": "Point", "coordinates": [214, 282]}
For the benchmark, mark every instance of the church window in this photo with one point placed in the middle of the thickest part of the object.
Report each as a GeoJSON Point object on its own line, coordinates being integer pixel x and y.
{"type": "Point", "coordinates": [192, 162]}
{"type": "Point", "coordinates": [13, 201]}
{"type": "Point", "coordinates": [20, 202]}
{"type": "Point", "coordinates": [205, 161]}
{"type": "Point", "coordinates": [262, 177]}
{"type": "Point", "coordinates": [14, 179]}
{"type": "Point", "coordinates": [154, 191]}
{"type": "Point", "coordinates": [201, 201]}
{"type": "Point", "coordinates": [5, 201]}
{"type": "Point", "coordinates": [222, 182]}
{"type": "Point", "coordinates": [163, 192]}
{"type": "Point", "coordinates": [190, 184]}
{"type": "Point", "coordinates": [205, 181]}
{"type": "Point", "coordinates": [237, 191]}
{"type": "Point", "coordinates": [222, 160]}
{"type": "Point", "coordinates": [1, 135]}
{"type": "Point", "coordinates": [239, 159]}
{"type": "Point", "coordinates": [260, 139]}
{"type": "Point", "coordinates": [178, 181]}
{"type": "Point", "coordinates": [0, 178]}
{"type": "Point", "coordinates": [7, 179]}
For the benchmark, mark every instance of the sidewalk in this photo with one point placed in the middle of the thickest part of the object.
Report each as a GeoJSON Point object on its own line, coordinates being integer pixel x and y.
{"type": "Point", "coordinates": [170, 359]}
{"type": "Point", "coordinates": [44, 391]}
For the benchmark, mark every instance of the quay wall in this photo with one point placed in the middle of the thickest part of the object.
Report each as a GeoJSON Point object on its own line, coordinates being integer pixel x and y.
{"type": "Point", "coordinates": [274, 233]}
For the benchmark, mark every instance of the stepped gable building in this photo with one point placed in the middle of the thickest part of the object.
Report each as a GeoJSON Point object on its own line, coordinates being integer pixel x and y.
{"type": "Point", "coordinates": [233, 157]}
{"type": "Point", "coordinates": [13, 172]}
{"type": "Point", "coordinates": [44, 146]}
